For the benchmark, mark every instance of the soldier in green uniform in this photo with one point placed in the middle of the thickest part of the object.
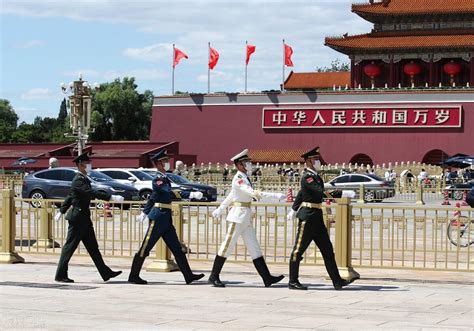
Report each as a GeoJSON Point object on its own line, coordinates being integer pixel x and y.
{"type": "Point", "coordinates": [307, 207]}
{"type": "Point", "coordinates": [80, 223]}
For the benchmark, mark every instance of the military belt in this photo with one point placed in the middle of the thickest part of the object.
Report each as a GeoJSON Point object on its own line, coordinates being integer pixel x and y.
{"type": "Point", "coordinates": [242, 204]}
{"type": "Point", "coordinates": [162, 205]}
{"type": "Point", "coordinates": [311, 205]}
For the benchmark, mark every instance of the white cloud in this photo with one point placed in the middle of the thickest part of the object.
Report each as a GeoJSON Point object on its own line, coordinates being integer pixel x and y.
{"type": "Point", "coordinates": [38, 93]}
{"type": "Point", "coordinates": [153, 53]}
{"type": "Point", "coordinates": [30, 44]}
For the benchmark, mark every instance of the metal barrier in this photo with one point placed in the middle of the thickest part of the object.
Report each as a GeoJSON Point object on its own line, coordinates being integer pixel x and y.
{"type": "Point", "coordinates": [363, 234]}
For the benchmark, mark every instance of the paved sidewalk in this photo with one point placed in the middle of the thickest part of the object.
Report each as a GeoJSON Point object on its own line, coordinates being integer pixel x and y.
{"type": "Point", "coordinates": [394, 299]}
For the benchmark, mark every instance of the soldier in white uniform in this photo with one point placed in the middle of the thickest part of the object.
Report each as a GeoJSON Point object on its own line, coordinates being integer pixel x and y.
{"type": "Point", "coordinates": [240, 217]}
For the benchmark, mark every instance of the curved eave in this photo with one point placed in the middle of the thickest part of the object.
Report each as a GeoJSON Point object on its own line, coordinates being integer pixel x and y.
{"type": "Point", "coordinates": [415, 16]}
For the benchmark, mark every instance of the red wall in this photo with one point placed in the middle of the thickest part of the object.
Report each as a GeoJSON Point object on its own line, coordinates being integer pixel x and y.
{"type": "Point", "coordinates": [217, 132]}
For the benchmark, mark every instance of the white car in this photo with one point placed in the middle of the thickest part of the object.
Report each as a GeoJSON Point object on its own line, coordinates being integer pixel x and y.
{"type": "Point", "coordinates": [141, 180]}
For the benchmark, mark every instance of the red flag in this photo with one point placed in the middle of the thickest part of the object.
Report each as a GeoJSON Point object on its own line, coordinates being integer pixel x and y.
{"type": "Point", "coordinates": [288, 54]}
{"type": "Point", "coordinates": [178, 55]}
{"type": "Point", "coordinates": [213, 58]}
{"type": "Point", "coordinates": [250, 51]}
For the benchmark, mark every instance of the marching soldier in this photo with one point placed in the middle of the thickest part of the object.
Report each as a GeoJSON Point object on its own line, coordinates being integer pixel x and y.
{"type": "Point", "coordinates": [307, 207]}
{"type": "Point", "coordinates": [240, 218]}
{"type": "Point", "coordinates": [158, 211]}
{"type": "Point", "coordinates": [80, 224]}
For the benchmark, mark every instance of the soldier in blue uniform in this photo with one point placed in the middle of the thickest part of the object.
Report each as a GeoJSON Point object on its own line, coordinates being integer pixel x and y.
{"type": "Point", "coordinates": [311, 227]}
{"type": "Point", "coordinates": [80, 224]}
{"type": "Point", "coordinates": [158, 211]}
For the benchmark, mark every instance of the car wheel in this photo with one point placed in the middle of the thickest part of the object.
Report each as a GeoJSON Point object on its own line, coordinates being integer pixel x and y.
{"type": "Point", "coordinates": [369, 196]}
{"type": "Point", "coordinates": [37, 195]}
{"type": "Point", "coordinates": [457, 195]}
{"type": "Point", "coordinates": [145, 195]}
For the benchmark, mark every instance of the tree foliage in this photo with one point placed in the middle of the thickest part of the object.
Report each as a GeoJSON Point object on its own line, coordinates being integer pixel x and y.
{"type": "Point", "coordinates": [336, 65]}
{"type": "Point", "coordinates": [8, 121]}
{"type": "Point", "coordinates": [119, 112]}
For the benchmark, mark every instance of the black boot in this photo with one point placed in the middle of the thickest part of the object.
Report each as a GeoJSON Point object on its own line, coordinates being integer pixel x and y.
{"type": "Point", "coordinates": [111, 274]}
{"type": "Point", "coordinates": [135, 271]}
{"type": "Point", "coordinates": [263, 271]}
{"type": "Point", "coordinates": [294, 283]}
{"type": "Point", "coordinates": [340, 284]}
{"type": "Point", "coordinates": [183, 265]}
{"type": "Point", "coordinates": [216, 270]}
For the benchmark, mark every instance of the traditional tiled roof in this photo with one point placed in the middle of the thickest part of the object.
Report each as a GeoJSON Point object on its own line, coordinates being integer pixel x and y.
{"type": "Point", "coordinates": [370, 42]}
{"type": "Point", "coordinates": [276, 155]}
{"type": "Point", "coordinates": [415, 7]}
{"type": "Point", "coordinates": [316, 80]}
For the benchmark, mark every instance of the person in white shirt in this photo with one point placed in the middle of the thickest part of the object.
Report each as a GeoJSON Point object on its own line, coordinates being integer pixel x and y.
{"type": "Point", "coordinates": [240, 222]}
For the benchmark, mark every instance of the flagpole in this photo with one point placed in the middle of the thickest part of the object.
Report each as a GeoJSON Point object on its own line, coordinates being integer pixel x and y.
{"type": "Point", "coordinates": [172, 76]}
{"type": "Point", "coordinates": [246, 64]}
{"type": "Point", "coordinates": [283, 71]}
{"type": "Point", "coordinates": [208, 69]}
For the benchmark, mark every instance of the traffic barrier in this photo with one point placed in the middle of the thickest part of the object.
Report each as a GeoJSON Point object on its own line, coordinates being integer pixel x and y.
{"type": "Point", "coordinates": [446, 199]}
{"type": "Point", "coordinates": [464, 197]}
{"type": "Point", "coordinates": [289, 196]}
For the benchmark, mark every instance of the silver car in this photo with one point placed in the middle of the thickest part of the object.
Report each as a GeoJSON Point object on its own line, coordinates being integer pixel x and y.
{"type": "Point", "coordinates": [375, 188]}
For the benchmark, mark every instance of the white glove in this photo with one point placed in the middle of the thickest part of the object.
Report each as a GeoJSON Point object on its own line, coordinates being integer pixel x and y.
{"type": "Point", "coordinates": [117, 198]}
{"type": "Point", "coordinates": [290, 215]}
{"type": "Point", "coordinates": [348, 194]}
{"type": "Point", "coordinates": [196, 195]}
{"type": "Point", "coordinates": [278, 196]}
{"type": "Point", "coordinates": [141, 217]}
{"type": "Point", "coordinates": [216, 213]}
{"type": "Point", "coordinates": [57, 217]}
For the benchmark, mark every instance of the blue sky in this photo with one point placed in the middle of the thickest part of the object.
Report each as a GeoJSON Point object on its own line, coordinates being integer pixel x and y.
{"type": "Point", "coordinates": [46, 42]}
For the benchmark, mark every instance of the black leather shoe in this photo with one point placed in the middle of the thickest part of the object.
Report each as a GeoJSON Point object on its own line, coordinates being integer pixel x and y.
{"type": "Point", "coordinates": [137, 280]}
{"type": "Point", "coordinates": [273, 280]}
{"type": "Point", "coordinates": [215, 281]}
{"type": "Point", "coordinates": [113, 274]}
{"type": "Point", "coordinates": [194, 277]}
{"type": "Point", "coordinates": [296, 285]}
{"type": "Point", "coordinates": [338, 286]}
{"type": "Point", "coordinates": [64, 280]}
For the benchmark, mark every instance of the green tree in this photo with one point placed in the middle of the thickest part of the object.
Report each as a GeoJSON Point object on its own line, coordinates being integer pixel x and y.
{"type": "Point", "coordinates": [62, 112]}
{"type": "Point", "coordinates": [336, 65]}
{"type": "Point", "coordinates": [8, 121]}
{"type": "Point", "coordinates": [120, 112]}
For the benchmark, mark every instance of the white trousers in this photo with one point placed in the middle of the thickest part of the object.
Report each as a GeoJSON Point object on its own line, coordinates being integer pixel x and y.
{"type": "Point", "coordinates": [234, 231]}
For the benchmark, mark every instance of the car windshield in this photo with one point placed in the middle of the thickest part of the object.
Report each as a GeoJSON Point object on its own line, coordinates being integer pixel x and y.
{"type": "Point", "coordinates": [375, 177]}
{"type": "Point", "coordinates": [99, 177]}
{"type": "Point", "coordinates": [141, 175]}
{"type": "Point", "coordinates": [177, 179]}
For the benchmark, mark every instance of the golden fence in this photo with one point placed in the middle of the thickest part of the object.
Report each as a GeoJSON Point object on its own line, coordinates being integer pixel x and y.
{"type": "Point", "coordinates": [364, 235]}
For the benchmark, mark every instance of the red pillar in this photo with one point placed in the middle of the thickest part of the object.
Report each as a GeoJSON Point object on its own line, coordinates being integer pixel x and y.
{"type": "Point", "coordinates": [471, 79]}
{"type": "Point", "coordinates": [353, 83]}
{"type": "Point", "coordinates": [391, 78]}
{"type": "Point", "coordinates": [431, 78]}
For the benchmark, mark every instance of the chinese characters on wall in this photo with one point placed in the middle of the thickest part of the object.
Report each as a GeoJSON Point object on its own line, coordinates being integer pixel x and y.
{"type": "Point", "coordinates": [398, 116]}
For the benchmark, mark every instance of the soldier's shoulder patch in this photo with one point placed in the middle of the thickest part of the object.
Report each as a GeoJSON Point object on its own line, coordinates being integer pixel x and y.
{"type": "Point", "coordinates": [159, 182]}
{"type": "Point", "coordinates": [240, 181]}
{"type": "Point", "coordinates": [310, 179]}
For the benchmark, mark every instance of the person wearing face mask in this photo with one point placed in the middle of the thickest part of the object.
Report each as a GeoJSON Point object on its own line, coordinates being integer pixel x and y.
{"type": "Point", "coordinates": [158, 211]}
{"type": "Point", "coordinates": [80, 224]}
{"type": "Point", "coordinates": [240, 217]}
{"type": "Point", "coordinates": [311, 227]}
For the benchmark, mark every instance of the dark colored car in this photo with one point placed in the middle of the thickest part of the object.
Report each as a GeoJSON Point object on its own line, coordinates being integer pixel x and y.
{"type": "Point", "coordinates": [456, 191]}
{"type": "Point", "coordinates": [56, 184]}
{"type": "Point", "coordinates": [209, 192]}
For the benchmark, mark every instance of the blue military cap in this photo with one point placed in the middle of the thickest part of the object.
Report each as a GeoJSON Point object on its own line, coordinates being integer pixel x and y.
{"type": "Point", "coordinates": [314, 153]}
{"type": "Point", "coordinates": [159, 156]}
{"type": "Point", "coordinates": [84, 157]}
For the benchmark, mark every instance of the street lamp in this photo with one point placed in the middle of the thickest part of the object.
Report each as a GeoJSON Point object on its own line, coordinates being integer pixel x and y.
{"type": "Point", "coordinates": [80, 109]}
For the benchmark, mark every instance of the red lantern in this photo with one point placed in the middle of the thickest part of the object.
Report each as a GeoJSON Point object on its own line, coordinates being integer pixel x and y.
{"type": "Point", "coordinates": [452, 69]}
{"type": "Point", "coordinates": [372, 70]}
{"type": "Point", "coordinates": [411, 69]}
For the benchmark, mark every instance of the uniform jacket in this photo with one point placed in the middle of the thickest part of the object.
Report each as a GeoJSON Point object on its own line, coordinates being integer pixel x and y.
{"type": "Point", "coordinates": [312, 190]}
{"type": "Point", "coordinates": [241, 191]}
{"type": "Point", "coordinates": [80, 198]}
{"type": "Point", "coordinates": [162, 193]}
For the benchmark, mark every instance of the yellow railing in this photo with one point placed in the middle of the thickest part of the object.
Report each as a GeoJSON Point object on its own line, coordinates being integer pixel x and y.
{"type": "Point", "coordinates": [363, 234]}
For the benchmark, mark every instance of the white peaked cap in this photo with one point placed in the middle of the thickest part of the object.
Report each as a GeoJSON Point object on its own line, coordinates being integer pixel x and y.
{"type": "Point", "coordinates": [241, 156]}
